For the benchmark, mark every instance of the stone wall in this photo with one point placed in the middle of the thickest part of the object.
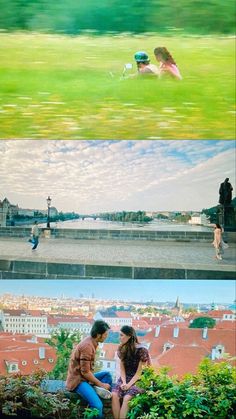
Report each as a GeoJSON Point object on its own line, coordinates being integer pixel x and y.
{"type": "Point", "coordinates": [19, 269]}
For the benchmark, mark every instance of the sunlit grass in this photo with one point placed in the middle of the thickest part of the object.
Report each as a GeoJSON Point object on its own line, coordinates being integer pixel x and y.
{"type": "Point", "coordinates": [71, 87]}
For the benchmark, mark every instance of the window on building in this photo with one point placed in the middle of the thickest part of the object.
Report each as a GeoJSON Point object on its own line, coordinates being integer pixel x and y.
{"type": "Point", "coordinates": [167, 346]}
{"type": "Point", "coordinates": [12, 367]}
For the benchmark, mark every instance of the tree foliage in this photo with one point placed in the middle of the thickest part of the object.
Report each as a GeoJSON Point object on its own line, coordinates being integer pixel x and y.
{"type": "Point", "coordinates": [75, 16]}
{"type": "Point", "coordinates": [201, 322]}
{"type": "Point", "coordinates": [63, 341]}
{"type": "Point", "coordinates": [127, 216]}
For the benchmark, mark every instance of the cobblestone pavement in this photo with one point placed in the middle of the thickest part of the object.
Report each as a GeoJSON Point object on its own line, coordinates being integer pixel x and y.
{"type": "Point", "coordinates": [135, 253]}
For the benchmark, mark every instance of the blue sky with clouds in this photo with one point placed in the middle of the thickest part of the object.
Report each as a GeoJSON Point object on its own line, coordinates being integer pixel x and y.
{"type": "Point", "coordinates": [194, 291]}
{"type": "Point", "coordinates": [95, 175]}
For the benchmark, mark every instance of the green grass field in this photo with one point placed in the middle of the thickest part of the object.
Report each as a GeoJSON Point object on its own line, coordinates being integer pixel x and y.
{"type": "Point", "coordinates": [59, 87]}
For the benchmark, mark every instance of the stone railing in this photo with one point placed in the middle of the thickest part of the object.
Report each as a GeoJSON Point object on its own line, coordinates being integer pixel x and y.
{"type": "Point", "coordinates": [104, 234]}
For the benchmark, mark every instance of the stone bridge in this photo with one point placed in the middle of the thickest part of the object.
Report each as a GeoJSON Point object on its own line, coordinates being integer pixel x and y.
{"type": "Point", "coordinates": [120, 254]}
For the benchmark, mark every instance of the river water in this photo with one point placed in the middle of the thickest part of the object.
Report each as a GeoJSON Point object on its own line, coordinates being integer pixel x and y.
{"type": "Point", "coordinates": [155, 225]}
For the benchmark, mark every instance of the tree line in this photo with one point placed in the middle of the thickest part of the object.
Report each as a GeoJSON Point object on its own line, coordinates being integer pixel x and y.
{"type": "Point", "coordinates": [136, 16]}
{"type": "Point", "coordinates": [126, 216]}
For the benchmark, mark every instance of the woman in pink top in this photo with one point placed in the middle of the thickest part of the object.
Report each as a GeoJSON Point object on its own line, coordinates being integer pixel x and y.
{"type": "Point", "coordinates": [167, 63]}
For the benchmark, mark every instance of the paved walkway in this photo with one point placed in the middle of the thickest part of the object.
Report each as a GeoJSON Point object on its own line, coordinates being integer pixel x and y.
{"type": "Point", "coordinates": [115, 252]}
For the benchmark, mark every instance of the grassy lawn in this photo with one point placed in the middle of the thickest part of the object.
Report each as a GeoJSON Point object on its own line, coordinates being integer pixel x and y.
{"type": "Point", "coordinates": [55, 86]}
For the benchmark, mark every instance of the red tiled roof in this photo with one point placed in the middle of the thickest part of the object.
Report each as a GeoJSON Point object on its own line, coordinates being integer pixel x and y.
{"type": "Point", "coordinates": [152, 321]}
{"type": "Point", "coordinates": [34, 313]}
{"type": "Point", "coordinates": [190, 337]}
{"type": "Point", "coordinates": [19, 336]}
{"type": "Point", "coordinates": [68, 319]}
{"type": "Point", "coordinates": [140, 324]}
{"type": "Point", "coordinates": [219, 313]}
{"type": "Point", "coordinates": [226, 324]}
{"type": "Point", "coordinates": [181, 359]}
{"type": "Point", "coordinates": [16, 350]}
{"type": "Point", "coordinates": [123, 314]}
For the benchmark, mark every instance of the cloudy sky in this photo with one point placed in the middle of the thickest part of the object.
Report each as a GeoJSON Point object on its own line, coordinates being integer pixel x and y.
{"type": "Point", "coordinates": [97, 176]}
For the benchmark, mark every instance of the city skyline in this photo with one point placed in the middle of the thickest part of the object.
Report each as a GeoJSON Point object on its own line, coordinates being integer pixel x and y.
{"type": "Point", "coordinates": [192, 292]}
{"type": "Point", "coordinates": [98, 176]}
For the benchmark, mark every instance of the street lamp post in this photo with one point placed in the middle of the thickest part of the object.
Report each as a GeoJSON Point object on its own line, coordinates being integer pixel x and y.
{"type": "Point", "coordinates": [49, 200]}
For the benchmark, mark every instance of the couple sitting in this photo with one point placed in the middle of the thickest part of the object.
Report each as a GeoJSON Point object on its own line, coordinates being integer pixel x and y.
{"type": "Point", "coordinates": [167, 63]}
{"type": "Point", "coordinates": [90, 385]}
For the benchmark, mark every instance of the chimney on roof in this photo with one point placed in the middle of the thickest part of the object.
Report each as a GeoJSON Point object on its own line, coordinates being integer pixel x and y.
{"type": "Point", "coordinates": [204, 333]}
{"type": "Point", "coordinates": [157, 331]}
{"type": "Point", "coordinates": [33, 339]}
{"type": "Point", "coordinates": [41, 353]}
{"type": "Point", "coordinates": [213, 353]}
{"type": "Point", "coordinates": [176, 332]}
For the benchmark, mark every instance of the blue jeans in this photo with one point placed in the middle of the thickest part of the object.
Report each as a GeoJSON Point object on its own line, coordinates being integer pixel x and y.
{"type": "Point", "coordinates": [88, 393]}
{"type": "Point", "coordinates": [35, 242]}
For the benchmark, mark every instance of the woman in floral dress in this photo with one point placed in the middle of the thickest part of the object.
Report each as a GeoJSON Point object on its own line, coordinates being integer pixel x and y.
{"type": "Point", "coordinates": [133, 356]}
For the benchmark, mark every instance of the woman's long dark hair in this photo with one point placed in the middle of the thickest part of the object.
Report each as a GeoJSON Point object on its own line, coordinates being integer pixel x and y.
{"type": "Point", "coordinates": [166, 56]}
{"type": "Point", "coordinates": [127, 350]}
{"type": "Point", "coordinates": [218, 226]}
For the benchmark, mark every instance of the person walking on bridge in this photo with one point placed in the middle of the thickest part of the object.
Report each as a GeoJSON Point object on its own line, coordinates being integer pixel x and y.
{"type": "Point", "coordinates": [35, 235]}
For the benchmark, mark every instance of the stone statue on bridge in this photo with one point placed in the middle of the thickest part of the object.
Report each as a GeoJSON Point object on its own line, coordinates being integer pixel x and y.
{"type": "Point", "coordinates": [225, 192]}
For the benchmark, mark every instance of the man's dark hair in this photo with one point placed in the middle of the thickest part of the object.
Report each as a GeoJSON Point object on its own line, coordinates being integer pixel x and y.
{"type": "Point", "coordinates": [99, 327]}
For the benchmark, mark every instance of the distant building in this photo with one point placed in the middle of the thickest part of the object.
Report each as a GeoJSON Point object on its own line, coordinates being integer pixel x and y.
{"type": "Point", "coordinates": [72, 323]}
{"type": "Point", "coordinates": [24, 321]}
{"type": "Point", "coordinates": [108, 358]}
{"type": "Point", "coordinates": [218, 315]}
{"type": "Point", "coordinates": [26, 212]}
{"type": "Point", "coordinates": [7, 211]}
{"type": "Point", "coordinates": [53, 212]}
{"type": "Point", "coordinates": [115, 318]}
{"type": "Point", "coordinates": [199, 219]}
{"type": "Point", "coordinates": [222, 315]}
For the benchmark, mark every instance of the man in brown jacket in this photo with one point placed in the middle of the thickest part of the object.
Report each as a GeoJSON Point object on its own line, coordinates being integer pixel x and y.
{"type": "Point", "coordinates": [81, 378]}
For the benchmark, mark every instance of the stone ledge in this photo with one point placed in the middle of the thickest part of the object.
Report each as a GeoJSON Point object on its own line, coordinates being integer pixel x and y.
{"type": "Point", "coordinates": [17, 269]}
{"type": "Point", "coordinates": [55, 386]}
{"type": "Point", "coordinates": [134, 234]}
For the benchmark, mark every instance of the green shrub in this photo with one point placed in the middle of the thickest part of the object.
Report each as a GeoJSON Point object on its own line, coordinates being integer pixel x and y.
{"type": "Point", "coordinates": [209, 394]}
{"type": "Point", "coordinates": [23, 396]}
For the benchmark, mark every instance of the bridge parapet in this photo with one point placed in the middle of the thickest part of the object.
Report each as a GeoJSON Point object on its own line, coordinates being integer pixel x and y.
{"type": "Point", "coordinates": [105, 234]}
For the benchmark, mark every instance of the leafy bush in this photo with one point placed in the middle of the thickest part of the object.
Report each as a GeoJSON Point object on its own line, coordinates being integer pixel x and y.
{"type": "Point", "coordinates": [209, 394]}
{"type": "Point", "coordinates": [23, 396]}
